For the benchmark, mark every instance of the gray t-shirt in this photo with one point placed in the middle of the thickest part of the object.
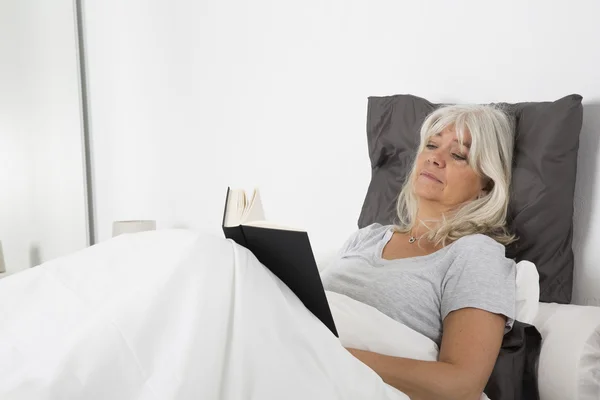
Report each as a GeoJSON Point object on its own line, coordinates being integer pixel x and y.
{"type": "Point", "coordinates": [421, 291]}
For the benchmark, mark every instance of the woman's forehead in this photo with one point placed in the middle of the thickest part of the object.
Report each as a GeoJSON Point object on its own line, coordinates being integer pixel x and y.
{"type": "Point", "coordinates": [462, 136]}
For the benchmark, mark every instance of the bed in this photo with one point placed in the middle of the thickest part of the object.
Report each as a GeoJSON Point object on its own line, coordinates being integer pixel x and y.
{"type": "Point", "coordinates": [178, 314]}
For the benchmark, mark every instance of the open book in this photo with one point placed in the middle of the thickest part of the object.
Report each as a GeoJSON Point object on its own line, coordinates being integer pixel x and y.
{"type": "Point", "coordinates": [247, 209]}
{"type": "Point", "coordinates": [284, 251]}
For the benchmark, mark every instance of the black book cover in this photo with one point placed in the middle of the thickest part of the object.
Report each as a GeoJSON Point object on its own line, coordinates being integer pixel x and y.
{"type": "Point", "coordinates": [236, 233]}
{"type": "Point", "coordinates": [289, 255]}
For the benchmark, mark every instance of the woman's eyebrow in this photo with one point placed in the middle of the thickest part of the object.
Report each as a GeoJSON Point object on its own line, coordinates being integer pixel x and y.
{"type": "Point", "coordinates": [466, 144]}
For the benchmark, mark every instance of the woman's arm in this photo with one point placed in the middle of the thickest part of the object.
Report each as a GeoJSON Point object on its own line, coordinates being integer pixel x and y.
{"type": "Point", "coordinates": [470, 346]}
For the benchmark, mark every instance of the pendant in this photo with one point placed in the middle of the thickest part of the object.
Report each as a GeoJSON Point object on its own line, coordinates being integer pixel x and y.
{"type": "Point", "coordinates": [412, 239]}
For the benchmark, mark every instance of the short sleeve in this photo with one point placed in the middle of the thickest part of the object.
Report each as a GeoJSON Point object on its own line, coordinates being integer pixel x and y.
{"type": "Point", "coordinates": [480, 277]}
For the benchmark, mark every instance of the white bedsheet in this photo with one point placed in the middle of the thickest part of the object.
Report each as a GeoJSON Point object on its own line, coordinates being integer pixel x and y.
{"type": "Point", "coordinates": [176, 315]}
{"type": "Point", "coordinates": [168, 315]}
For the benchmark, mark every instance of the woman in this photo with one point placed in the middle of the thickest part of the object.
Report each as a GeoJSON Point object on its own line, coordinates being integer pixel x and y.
{"type": "Point", "coordinates": [441, 270]}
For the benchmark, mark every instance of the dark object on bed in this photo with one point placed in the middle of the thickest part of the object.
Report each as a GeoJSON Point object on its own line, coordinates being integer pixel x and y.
{"type": "Point", "coordinates": [514, 376]}
{"type": "Point", "coordinates": [543, 183]}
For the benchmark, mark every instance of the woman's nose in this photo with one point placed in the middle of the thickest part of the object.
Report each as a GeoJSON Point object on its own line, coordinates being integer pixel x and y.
{"type": "Point", "coordinates": [436, 160]}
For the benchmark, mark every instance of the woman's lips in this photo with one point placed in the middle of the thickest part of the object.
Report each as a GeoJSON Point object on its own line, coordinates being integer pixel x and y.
{"type": "Point", "coordinates": [430, 176]}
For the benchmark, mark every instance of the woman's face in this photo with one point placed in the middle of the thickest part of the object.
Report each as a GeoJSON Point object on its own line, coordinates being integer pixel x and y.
{"type": "Point", "coordinates": [443, 174]}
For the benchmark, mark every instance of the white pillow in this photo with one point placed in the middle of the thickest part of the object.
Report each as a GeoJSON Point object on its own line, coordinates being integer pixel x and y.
{"type": "Point", "coordinates": [569, 364]}
{"type": "Point", "coordinates": [527, 293]}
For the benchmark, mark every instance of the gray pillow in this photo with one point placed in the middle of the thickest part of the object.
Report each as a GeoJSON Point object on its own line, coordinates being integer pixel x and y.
{"type": "Point", "coordinates": [543, 183]}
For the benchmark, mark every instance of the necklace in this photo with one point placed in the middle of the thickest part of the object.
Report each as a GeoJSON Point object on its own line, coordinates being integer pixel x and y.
{"type": "Point", "coordinates": [412, 238]}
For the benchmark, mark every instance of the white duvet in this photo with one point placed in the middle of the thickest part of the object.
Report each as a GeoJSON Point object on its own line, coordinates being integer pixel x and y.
{"type": "Point", "coordinates": [176, 315]}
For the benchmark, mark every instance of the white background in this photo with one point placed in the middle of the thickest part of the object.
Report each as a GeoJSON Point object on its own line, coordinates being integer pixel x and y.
{"type": "Point", "coordinates": [42, 203]}
{"type": "Point", "coordinates": [188, 97]}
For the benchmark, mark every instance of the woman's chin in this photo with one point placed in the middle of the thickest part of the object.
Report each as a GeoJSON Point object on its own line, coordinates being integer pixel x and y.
{"type": "Point", "coordinates": [428, 194]}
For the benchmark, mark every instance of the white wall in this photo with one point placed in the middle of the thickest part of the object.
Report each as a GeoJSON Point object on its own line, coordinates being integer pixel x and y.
{"type": "Point", "coordinates": [43, 205]}
{"type": "Point", "coordinates": [189, 97]}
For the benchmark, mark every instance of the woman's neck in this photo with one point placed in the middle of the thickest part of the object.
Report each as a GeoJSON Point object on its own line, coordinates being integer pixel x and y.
{"type": "Point", "coordinates": [428, 215]}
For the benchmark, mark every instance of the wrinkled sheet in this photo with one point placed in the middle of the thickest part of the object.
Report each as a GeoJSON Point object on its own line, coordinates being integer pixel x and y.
{"type": "Point", "coordinates": [169, 314]}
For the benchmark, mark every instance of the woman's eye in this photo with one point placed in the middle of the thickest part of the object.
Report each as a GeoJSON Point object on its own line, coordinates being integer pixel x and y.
{"type": "Point", "coordinates": [431, 146]}
{"type": "Point", "coordinates": [459, 157]}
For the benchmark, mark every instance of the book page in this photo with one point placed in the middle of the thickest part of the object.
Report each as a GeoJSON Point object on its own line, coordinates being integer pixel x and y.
{"type": "Point", "coordinates": [235, 207]}
{"type": "Point", "coordinates": [254, 209]}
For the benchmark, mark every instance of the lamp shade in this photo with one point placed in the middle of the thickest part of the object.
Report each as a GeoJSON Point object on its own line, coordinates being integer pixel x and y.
{"type": "Point", "coordinates": [120, 227]}
{"type": "Point", "coordinates": [2, 265]}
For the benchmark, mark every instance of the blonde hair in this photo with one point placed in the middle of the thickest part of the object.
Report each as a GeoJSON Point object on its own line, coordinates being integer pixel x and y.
{"type": "Point", "coordinates": [490, 156]}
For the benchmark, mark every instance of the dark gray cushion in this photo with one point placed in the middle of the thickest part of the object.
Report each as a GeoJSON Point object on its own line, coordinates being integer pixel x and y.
{"type": "Point", "coordinates": [514, 376]}
{"type": "Point", "coordinates": [543, 183]}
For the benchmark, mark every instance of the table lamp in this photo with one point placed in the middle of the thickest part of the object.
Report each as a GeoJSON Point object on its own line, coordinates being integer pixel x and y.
{"type": "Point", "coordinates": [120, 227]}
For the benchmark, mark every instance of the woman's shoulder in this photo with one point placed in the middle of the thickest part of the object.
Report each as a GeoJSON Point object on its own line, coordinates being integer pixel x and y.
{"type": "Point", "coordinates": [366, 236]}
{"type": "Point", "coordinates": [484, 258]}
{"type": "Point", "coordinates": [479, 244]}
{"type": "Point", "coordinates": [375, 229]}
